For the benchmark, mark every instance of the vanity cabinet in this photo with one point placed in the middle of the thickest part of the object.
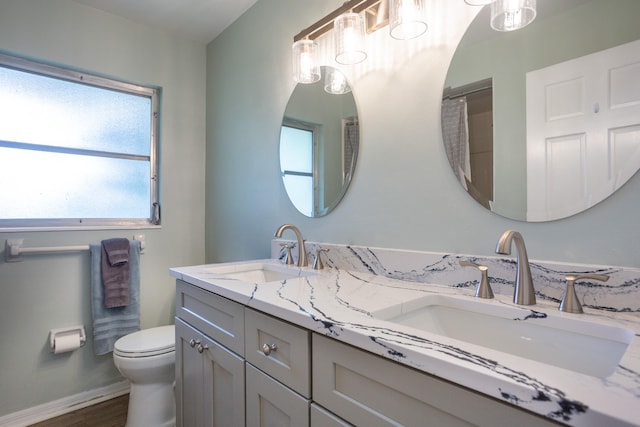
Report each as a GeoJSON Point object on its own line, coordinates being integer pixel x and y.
{"type": "Point", "coordinates": [236, 366]}
{"type": "Point", "coordinates": [216, 386]}
{"type": "Point", "coordinates": [210, 372]}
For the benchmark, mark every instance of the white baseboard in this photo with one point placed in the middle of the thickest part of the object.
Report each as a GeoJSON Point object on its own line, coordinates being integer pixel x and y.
{"type": "Point", "coordinates": [63, 406]}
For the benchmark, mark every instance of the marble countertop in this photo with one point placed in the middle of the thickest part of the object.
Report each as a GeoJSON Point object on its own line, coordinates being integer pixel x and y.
{"type": "Point", "coordinates": [339, 303]}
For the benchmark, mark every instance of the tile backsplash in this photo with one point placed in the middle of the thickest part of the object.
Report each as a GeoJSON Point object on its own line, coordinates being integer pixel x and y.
{"type": "Point", "coordinates": [621, 293]}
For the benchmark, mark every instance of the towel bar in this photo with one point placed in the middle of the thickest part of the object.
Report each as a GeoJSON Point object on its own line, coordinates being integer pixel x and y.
{"type": "Point", "coordinates": [13, 248]}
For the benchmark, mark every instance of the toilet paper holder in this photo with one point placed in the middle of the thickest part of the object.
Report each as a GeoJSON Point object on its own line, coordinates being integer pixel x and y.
{"type": "Point", "coordinates": [60, 334]}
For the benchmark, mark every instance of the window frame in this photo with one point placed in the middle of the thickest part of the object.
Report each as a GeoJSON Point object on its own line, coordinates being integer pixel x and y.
{"type": "Point", "coordinates": [102, 82]}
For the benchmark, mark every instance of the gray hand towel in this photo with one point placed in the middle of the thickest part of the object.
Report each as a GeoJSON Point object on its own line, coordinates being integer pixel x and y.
{"type": "Point", "coordinates": [115, 272]}
{"type": "Point", "coordinates": [117, 250]}
{"type": "Point", "coordinates": [109, 324]}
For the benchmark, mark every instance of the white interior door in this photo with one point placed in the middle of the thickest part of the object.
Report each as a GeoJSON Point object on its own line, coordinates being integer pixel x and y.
{"type": "Point", "coordinates": [583, 131]}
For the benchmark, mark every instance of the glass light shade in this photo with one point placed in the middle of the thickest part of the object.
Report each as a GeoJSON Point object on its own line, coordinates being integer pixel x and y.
{"type": "Point", "coordinates": [348, 35]}
{"type": "Point", "coordinates": [509, 15]}
{"type": "Point", "coordinates": [335, 82]}
{"type": "Point", "coordinates": [407, 19]}
{"type": "Point", "coordinates": [306, 68]}
{"type": "Point", "coordinates": [478, 2]}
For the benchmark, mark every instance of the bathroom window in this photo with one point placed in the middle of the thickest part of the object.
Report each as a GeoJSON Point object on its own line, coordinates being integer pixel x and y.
{"type": "Point", "coordinates": [297, 142]}
{"type": "Point", "coordinates": [76, 149]}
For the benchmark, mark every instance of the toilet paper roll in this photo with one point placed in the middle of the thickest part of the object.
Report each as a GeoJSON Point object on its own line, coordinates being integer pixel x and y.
{"type": "Point", "coordinates": [65, 343]}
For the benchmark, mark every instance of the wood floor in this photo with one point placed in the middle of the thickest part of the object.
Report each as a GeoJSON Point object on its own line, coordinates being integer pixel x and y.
{"type": "Point", "coordinates": [110, 413]}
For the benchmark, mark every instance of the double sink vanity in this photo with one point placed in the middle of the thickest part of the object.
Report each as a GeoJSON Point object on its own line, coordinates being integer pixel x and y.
{"type": "Point", "coordinates": [389, 337]}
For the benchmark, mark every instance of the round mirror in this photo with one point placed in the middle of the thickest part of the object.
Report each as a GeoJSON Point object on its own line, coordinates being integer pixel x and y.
{"type": "Point", "coordinates": [544, 122]}
{"type": "Point", "coordinates": [319, 141]}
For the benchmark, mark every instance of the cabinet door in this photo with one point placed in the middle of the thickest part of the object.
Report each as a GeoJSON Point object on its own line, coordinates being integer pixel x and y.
{"type": "Point", "coordinates": [189, 380]}
{"type": "Point", "coordinates": [223, 375]}
{"type": "Point", "coordinates": [271, 404]}
{"type": "Point", "coordinates": [209, 381]}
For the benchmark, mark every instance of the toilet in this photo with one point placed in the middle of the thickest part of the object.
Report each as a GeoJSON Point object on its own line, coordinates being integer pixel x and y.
{"type": "Point", "coordinates": [147, 359]}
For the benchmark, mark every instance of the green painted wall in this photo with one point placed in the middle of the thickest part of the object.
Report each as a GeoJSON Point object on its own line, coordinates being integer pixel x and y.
{"type": "Point", "coordinates": [403, 193]}
{"type": "Point", "coordinates": [52, 291]}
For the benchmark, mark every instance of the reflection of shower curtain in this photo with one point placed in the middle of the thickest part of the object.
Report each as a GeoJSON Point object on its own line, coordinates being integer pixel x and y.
{"type": "Point", "coordinates": [351, 138]}
{"type": "Point", "coordinates": [455, 132]}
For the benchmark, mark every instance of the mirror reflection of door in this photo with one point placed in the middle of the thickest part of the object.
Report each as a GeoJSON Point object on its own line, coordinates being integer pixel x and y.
{"type": "Point", "coordinates": [583, 130]}
{"type": "Point", "coordinates": [563, 30]}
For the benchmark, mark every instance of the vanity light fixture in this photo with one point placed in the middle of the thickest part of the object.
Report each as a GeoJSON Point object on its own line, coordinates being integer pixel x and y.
{"type": "Point", "coordinates": [306, 67]}
{"type": "Point", "coordinates": [510, 15]}
{"type": "Point", "coordinates": [335, 82]}
{"type": "Point", "coordinates": [349, 38]}
{"type": "Point", "coordinates": [407, 19]}
{"type": "Point", "coordinates": [355, 17]}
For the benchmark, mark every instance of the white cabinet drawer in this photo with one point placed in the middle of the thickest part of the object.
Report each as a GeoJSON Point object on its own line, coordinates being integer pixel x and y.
{"type": "Point", "coordinates": [279, 349]}
{"type": "Point", "coordinates": [270, 403]}
{"type": "Point", "coordinates": [215, 316]}
{"type": "Point", "coordinates": [369, 390]}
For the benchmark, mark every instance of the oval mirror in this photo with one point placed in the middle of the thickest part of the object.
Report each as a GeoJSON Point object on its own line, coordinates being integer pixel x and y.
{"type": "Point", "coordinates": [544, 122]}
{"type": "Point", "coordinates": [319, 141]}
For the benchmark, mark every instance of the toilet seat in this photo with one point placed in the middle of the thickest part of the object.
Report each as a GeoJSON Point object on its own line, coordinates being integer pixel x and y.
{"type": "Point", "coordinates": [146, 343]}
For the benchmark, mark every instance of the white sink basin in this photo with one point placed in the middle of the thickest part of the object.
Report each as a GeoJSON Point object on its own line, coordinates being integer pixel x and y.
{"type": "Point", "coordinates": [570, 343]}
{"type": "Point", "coordinates": [260, 272]}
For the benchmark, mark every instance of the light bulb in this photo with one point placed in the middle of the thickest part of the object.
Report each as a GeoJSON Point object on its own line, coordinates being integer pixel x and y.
{"type": "Point", "coordinates": [510, 15]}
{"type": "Point", "coordinates": [306, 69]}
{"type": "Point", "coordinates": [407, 19]}
{"type": "Point", "coordinates": [349, 38]}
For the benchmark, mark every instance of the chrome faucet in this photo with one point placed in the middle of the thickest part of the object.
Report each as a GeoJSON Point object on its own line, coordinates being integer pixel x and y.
{"type": "Point", "coordinates": [524, 293]}
{"type": "Point", "coordinates": [302, 252]}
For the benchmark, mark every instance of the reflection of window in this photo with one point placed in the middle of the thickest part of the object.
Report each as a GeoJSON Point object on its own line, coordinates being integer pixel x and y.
{"type": "Point", "coordinates": [75, 149]}
{"type": "Point", "coordinates": [296, 164]}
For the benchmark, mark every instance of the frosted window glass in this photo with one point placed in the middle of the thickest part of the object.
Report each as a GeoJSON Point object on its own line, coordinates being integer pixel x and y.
{"type": "Point", "coordinates": [300, 191]}
{"type": "Point", "coordinates": [64, 186]}
{"type": "Point", "coordinates": [296, 150]}
{"type": "Point", "coordinates": [69, 114]}
{"type": "Point", "coordinates": [296, 165]}
{"type": "Point", "coordinates": [76, 147]}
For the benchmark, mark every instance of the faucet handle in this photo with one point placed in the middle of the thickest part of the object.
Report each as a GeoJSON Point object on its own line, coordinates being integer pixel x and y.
{"type": "Point", "coordinates": [570, 302]}
{"type": "Point", "coordinates": [289, 258]}
{"type": "Point", "coordinates": [317, 262]}
{"type": "Point", "coordinates": [483, 290]}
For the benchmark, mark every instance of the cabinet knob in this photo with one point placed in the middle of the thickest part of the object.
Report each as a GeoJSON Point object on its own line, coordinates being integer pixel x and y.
{"type": "Point", "coordinates": [194, 342]}
{"type": "Point", "coordinates": [268, 348]}
{"type": "Point", "coordinates": [202, 347]}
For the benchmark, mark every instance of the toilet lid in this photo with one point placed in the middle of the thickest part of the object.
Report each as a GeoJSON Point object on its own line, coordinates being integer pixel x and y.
{"type": "Point", "coordinates": [147, 342]}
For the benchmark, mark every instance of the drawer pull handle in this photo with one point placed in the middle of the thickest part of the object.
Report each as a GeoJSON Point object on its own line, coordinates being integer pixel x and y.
{"type": "Point", "coordinates": [202, 348]}
{"type": "Point", "coordinates": [194, 342]}
{"type": "Point", "coordinates": [268, 348]}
